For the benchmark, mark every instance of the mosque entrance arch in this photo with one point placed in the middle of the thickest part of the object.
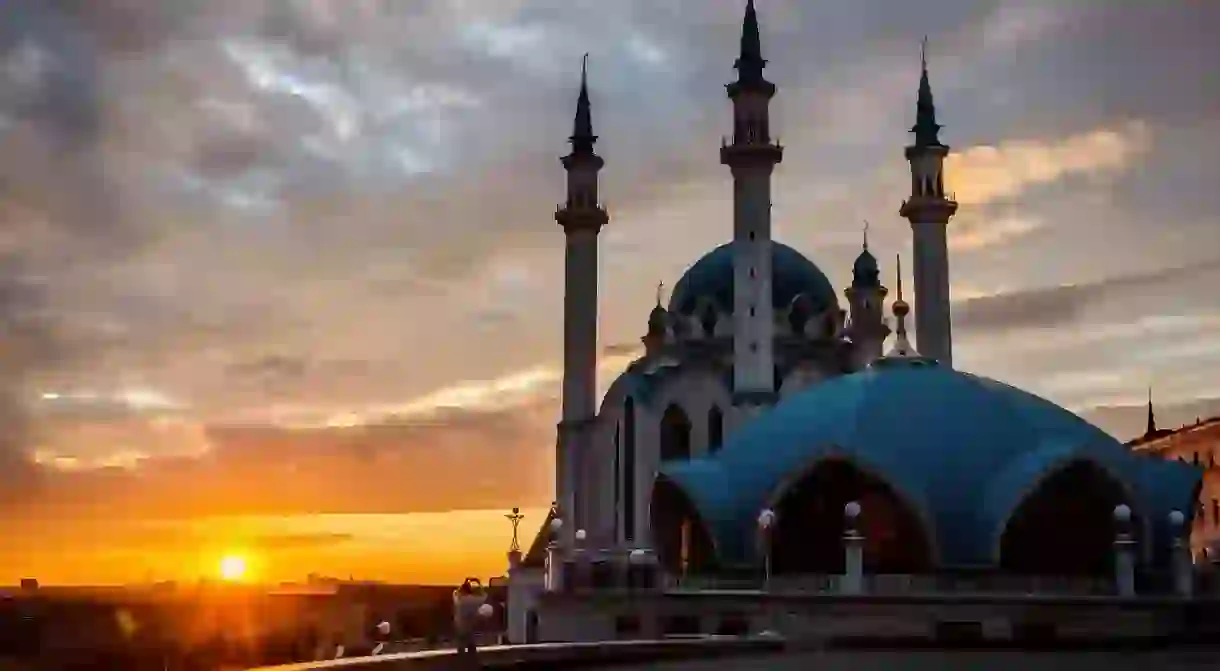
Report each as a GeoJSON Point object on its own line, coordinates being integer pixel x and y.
{"type": "Point", "coordinates": [682, 541]}
{"type": "Point", "coordinates": [1065, 525]}
{"type": "Point", "coordinates": [809, 528]}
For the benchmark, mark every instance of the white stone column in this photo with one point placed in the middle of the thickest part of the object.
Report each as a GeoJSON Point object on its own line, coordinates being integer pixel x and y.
{"type": "Point", "coordinates": [1181, 561]}
{"type": "Point", "coordinates": [1124, 552]}
{"type": "Point", "coordinates": [853, 548]}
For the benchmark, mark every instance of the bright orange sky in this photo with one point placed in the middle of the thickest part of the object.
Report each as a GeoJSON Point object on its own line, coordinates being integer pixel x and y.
{"type": "Point", "coordinates": [416, 548]}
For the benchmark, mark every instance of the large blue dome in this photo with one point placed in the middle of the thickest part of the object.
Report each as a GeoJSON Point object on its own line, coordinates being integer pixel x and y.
{"type": "Point", "coordinates": [963, 450]}
{"type": "Point", "coordinates": [712, 277]}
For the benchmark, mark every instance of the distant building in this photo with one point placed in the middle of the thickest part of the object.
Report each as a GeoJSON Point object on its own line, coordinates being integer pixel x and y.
{"type": "Point", "coordinates": [1196, 444]}
{"type": "Point", "coordinates": [29, 584]}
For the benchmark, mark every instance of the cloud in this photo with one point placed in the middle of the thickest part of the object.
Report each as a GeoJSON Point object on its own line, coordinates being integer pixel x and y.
{"type": "Point", "coordinates": [1053, 307]}
{"type": "Point", "coordinates": [984, 174]}
{"type": "Point", "coordinates": [968, 235]}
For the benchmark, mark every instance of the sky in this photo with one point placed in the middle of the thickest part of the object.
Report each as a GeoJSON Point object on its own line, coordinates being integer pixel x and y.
{"type": "Point", "coordinates": [284, 273]}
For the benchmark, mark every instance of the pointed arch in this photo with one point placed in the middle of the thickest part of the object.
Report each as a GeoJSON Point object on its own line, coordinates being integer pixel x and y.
{"type": "Point", "coordinates": [715, 428]}
{"type": "Point", "coordinates": [627, 474]}
{"type": "Point", "coordinates": [675, 434]}
{"type": "Point", "coordinates": [682, 540]}
{"type": "Point", "coordinates": [808, 536]}
{"type": "Point", "coordinates": [1070, 508]}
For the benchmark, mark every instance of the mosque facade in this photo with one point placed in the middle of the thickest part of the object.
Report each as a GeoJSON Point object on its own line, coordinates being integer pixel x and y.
{"type": "Point", "coordinates": [768, 430]}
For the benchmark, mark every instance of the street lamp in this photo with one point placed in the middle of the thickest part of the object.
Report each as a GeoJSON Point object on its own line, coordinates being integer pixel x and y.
{"type": "Point", "coordinates": [766, 522]}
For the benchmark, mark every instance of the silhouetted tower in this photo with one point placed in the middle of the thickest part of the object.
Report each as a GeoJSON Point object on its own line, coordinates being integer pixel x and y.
{"type": "Point", "coordinates": [866, 302]}
{"type": "Point", "coordinates": [582, 218]}
{"type": "Point", "coordinates": [752, 156]}
{"type": "Point", "coordinates": [929, 210]}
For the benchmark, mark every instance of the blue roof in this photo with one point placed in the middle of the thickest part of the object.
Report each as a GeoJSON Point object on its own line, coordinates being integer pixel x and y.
{"type": "Point", "coordinates": [962, 450]}
{"type": "Point", "coordinates": [791, 274]}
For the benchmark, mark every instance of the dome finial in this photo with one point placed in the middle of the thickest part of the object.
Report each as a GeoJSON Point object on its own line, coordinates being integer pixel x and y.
{"type": "Point", "coordinates": [902, 345]}
{"type": "Point", "coordinates": [660, 291]}
{"type": "Point", "coordinates": [866, 235]}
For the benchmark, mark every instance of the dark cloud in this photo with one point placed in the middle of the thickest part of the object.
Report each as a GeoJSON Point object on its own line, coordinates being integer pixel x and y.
{"type": "Point", "coordinates": [1056, 307]}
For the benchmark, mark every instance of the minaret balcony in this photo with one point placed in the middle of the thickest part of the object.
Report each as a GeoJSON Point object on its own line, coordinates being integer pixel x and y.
{"type": "Point", "coordinates": [573, 217]}
{"type": "Point", "coordinates": [750, 152]}
{"type": "Point", "coordinates": [928, 208]}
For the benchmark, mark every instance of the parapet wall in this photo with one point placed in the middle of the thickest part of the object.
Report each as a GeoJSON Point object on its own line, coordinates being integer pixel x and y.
{"type": "Point", "coordinates": [549, 654]}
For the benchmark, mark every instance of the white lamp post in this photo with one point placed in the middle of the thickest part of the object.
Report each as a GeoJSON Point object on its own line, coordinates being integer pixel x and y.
{"type": "Point", "coordinates": [766, 522]}
{"type": "Point", "coordinates": [1124, 551]}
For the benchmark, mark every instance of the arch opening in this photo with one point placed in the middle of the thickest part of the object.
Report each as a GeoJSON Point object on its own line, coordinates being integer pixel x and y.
{"type": "Point", "coordinates": [675, 434]}
{"type": "Point", "coordinates": [1065, 526]}
{"type": "Point", "coordinates": [715, 428]}
{"type": "Point", "coordinates": [682, 541]}
{"type": "Point", "coordinates": [809, 528]}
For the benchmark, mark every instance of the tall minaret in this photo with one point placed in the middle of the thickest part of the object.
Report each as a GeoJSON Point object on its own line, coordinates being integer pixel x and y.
{"type": "Point", "coordinates": [582, 218]}
{"type": "Point", "coordinates": [752, 156]}
{"type": "Point", "coordinates": [929, 210]}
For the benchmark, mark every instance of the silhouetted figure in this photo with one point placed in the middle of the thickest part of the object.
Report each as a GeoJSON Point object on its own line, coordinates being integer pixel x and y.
{"type": "Point", "coordinates": [467, 600]}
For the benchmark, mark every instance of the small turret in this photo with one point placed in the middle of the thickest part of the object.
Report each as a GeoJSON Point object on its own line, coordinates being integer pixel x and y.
{"type": "Point", "coordinates": [659, 332]}
{"type": "Point", "coordinates": [866, 301]}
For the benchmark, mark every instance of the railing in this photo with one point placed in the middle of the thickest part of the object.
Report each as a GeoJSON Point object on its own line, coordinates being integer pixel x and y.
{"type": "Point", "coordinates": [903, 585]}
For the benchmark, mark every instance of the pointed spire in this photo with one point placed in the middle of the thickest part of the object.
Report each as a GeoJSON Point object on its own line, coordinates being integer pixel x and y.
{"type": "Point", "coordinates": [1151, 428]}
{"type": "Point", "coordinates": [866, 235]}
{"type": "Point", "coordinates": [926, 130]}
{"type": "Point", "coordinates": [660, 291]}
{"type": "Point", "coordinates": [582, 132]}
{"type": "Point", "coordinates": [750, 62]}
{"type": "Point", "coordinates": [902, 345]}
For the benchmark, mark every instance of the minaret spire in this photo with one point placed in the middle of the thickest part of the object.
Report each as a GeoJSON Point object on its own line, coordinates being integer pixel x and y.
{"type": "Point", "coordinates": [582, 129]}
{"type": "Point", "coordinates": [750, 62]}
{"type": "Point", "coordinates": [926, 130]}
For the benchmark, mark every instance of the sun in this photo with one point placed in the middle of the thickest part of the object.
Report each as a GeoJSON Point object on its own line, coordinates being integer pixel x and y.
{"type": "Point", "coordinates": [233, 568]}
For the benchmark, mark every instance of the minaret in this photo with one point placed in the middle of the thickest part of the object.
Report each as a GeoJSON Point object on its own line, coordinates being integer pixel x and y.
{"type": "Point", "coordinates": [929, 209]}
{"type": "Point", "coordinates": [866, 300]}
{"type": "Point", "coordinates": [582, 218]}
{"type": "Point", "coordinates": [751, 156]}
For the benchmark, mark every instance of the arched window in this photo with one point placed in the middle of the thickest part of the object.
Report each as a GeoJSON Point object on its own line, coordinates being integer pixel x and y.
{"type": "Point", "coordinates": [675, 434]}
{"type": "Point", "coordinates": [715, 429]}
{"type": "Point", "coordinates": [628, 474]}
{"type": "Point", "coordinates": [617, 469]}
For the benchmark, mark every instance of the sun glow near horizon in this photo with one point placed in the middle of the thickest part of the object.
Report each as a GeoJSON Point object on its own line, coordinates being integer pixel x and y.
{"type": "Point", "coordinates": [232, 568]}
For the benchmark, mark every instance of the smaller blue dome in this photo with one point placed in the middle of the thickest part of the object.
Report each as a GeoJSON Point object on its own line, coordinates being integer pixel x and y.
{"type": "Point", "coordinates": [791, 274]}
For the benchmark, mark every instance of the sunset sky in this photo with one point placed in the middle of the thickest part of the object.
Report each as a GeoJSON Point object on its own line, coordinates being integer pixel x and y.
{"type": "Point", "coordinates": [281, 276]}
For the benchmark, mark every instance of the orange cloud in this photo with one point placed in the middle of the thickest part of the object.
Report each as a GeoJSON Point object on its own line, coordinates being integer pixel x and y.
{"type": "Point", "coordinates": [985, 174]}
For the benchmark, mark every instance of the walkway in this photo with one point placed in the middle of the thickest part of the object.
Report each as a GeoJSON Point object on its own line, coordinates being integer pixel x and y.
{"type": "Point", "coordinates": [925, 660]}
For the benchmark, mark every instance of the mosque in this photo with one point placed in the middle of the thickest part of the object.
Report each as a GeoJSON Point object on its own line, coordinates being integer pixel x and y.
{"type": "Point", "coordinates": [766, 432]}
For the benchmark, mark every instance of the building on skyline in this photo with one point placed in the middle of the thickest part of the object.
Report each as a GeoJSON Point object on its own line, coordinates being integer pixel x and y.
{"type": "Point", "coordinates": [767, 430]}
{"type": "Point", "coordinates": [1196, 444]}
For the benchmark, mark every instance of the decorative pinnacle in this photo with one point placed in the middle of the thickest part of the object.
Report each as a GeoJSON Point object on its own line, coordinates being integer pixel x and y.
{"type": "Point", "coordinates": [866, 235]}
{"type": "Point", "coordinates": [582, 132]}
{"type": "Point", "coordinates": [926, 130]}
{"type": "Point", "coordinates": [1151, 428]}
{"type": "Point", "coordinates": [902, 345]}
{"type": "Point", "coordinates": [660, 290]}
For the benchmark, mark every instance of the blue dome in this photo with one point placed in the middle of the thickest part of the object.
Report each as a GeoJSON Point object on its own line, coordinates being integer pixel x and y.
{"type": "Point", "coordinates": [963, 450]}
{"type": "Point", "coordinates": [712, 277]}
